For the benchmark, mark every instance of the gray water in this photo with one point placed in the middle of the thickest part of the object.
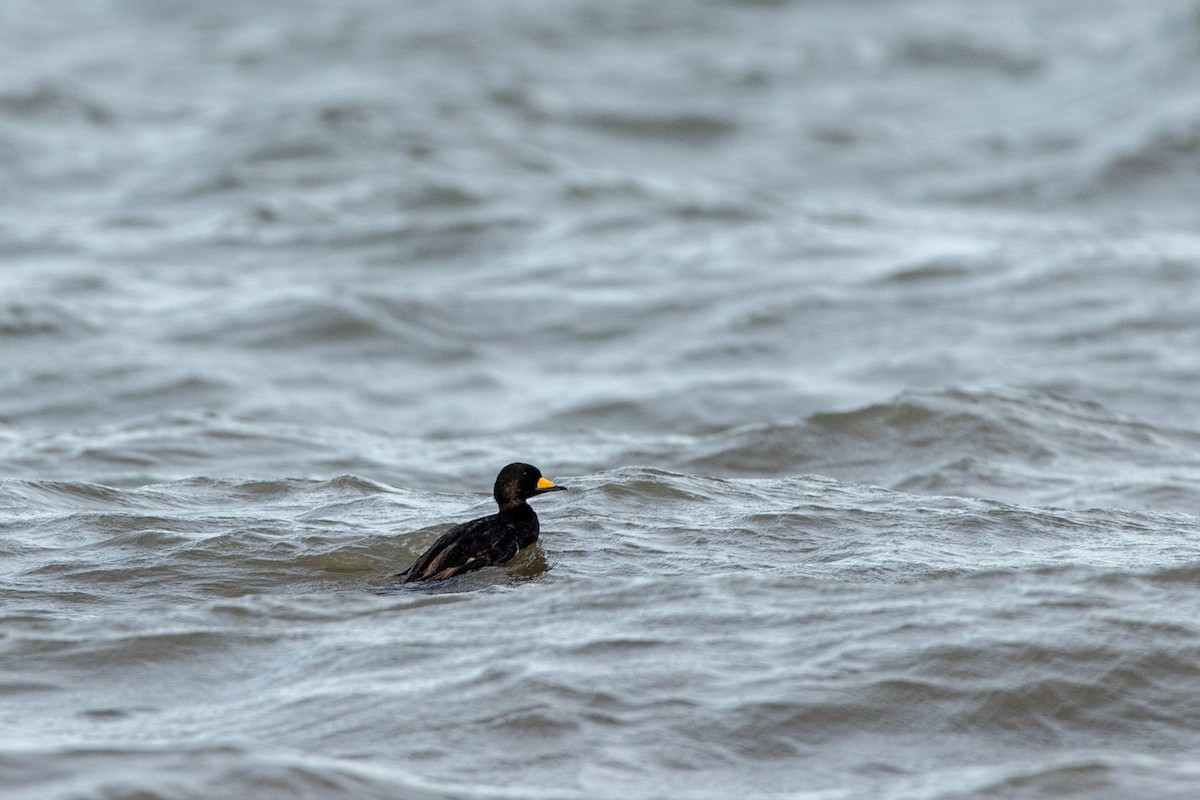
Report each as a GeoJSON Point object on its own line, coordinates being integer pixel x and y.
{"type": "Point", "coordinates": [866, 336]}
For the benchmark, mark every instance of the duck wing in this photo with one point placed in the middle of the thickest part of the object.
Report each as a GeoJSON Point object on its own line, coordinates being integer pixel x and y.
{"type": "Point", "coordinates": [472, 545]}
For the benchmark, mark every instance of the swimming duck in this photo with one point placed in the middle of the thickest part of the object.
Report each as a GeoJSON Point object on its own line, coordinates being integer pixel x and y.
{"type": "Point", "coordinates": [490, 540]}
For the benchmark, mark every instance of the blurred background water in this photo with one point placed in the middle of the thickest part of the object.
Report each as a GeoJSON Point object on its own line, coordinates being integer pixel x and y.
{"type": "Point", "coordinates": [865, 334]}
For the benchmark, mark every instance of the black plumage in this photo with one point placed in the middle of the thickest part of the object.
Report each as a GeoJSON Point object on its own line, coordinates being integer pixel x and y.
{"type": "Point", "coordinates": [491, 540]}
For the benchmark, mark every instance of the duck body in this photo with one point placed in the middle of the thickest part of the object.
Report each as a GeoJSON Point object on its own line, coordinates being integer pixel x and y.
{"type": "Point", "coordinates": [490, 540]}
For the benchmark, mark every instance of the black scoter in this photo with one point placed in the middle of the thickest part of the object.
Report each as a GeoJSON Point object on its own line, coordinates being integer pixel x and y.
{"type": "Point", "coordinates": [490, 540]}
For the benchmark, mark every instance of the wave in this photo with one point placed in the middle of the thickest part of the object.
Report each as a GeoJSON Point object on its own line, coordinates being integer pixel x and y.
{"type": "Point", "coordinates": [1157, 155]}
{"type": "Point", "coordinates": [713, 632]}
{"type": "Point", "coordinates": [682, 127]}
{"type": "Point", "coordinates": [191, 772]}
{"type": "Point", "coordinates": [959, 50]}
{"type": "Point", "coordinates": [22, 320]}
{"type": "Point", "coordinates": [51, 102]}
{"type": "Point", "coordinates": [1101, 772]}
{"type": "Point", "coordinates": [1006, 444]}
{"type": "Point", "coordinates": [284, 323]}
{"type": "Point", "coordinates": [942, 452]}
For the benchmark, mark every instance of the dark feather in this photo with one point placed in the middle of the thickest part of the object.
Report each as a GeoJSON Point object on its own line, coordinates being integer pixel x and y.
{"type": "Point", "coordinates": [486, 541]}
{"type": "Point", "coordinates": [482, 542]}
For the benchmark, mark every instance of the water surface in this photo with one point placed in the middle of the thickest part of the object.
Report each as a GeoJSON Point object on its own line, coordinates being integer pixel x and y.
{"type": "Point", "coordinates": [864, 335]}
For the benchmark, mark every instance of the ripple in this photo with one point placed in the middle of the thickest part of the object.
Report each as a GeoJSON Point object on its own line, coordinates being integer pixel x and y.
{"type": "Point", "coordinates": [696, 128]}
{"type": "Point", "coordinates": [957, 50]}
{"type": "Point", "coordinates": [1006, 445]}
{"type": "Point", "coordinates": [20, 320]}
{"type": "Point", "coordinates": [302, 322]}
{"type": "Point", "coordinates": [51, 101]}
{"type": "Point", "coordinates": [198, 771]}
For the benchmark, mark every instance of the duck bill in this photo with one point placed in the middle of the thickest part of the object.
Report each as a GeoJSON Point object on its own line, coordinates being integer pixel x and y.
{"type": "Point", "coordinates": [544, 485]}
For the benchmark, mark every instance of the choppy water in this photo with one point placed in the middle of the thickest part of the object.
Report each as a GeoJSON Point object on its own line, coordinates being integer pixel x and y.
{"type": "Point", "coordinates": [865, 334]}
